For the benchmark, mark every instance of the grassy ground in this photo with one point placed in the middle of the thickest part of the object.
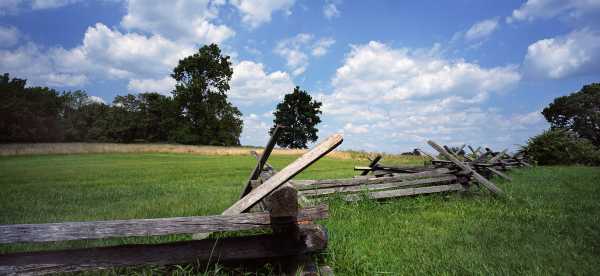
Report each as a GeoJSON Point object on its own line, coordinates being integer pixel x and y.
{"type": "Point", "coordinates": [550, 224]}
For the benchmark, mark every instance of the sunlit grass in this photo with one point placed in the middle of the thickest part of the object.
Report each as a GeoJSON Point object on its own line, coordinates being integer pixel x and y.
{"type": "Point", "coordinates": [549, 224]}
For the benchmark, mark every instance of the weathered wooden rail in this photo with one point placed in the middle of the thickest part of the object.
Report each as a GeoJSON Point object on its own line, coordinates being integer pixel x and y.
{"type": "Point", "coordinates": [294, 235]}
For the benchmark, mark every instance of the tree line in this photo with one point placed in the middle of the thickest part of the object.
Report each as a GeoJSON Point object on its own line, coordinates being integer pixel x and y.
{"type": "Point", "coordinates": [197, 112]}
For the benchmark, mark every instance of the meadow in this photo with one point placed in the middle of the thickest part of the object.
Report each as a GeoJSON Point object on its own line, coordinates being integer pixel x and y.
{"type": "Point", "coordinates": [548, 224]}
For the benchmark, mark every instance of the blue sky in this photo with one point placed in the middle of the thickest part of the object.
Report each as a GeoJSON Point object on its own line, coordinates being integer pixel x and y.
{"type": "Point", "coordinates": [391, 74]}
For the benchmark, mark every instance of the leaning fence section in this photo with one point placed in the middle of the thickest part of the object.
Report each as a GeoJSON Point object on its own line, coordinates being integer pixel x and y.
{"type": "Point", "coordinates": [266, 202]}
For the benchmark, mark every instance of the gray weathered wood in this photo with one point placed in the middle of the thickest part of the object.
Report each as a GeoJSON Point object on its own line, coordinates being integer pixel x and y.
{"type": "Point", "coordinates": [383, 186]}
{"type": "Point", "coordinates": [224, 251]}
{"type": "Point", "coordinates": [372, 164]}
{"type": "Point", "coordinates": [488, 184]}
{"type": "Point", "coordinates": [145, 227]}
{"type": "Point", "coordinates": [284, 175]}
{"type": "Point", "coordinates": [497, 157]}
{"type": "Point", "coordinates": [406, 192]}
{"type": "Point", "coordinates": [263, 159]}
{"type": "Point", "coordinates": [499, 173]}
{"type": "Point", "coordinates": [427, 154]}
{"type": "Point", "coordinates": [330, 183]}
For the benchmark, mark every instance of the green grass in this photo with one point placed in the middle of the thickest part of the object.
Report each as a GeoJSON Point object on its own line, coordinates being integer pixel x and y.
{"type": "Point", "coordinates": [550, 223]}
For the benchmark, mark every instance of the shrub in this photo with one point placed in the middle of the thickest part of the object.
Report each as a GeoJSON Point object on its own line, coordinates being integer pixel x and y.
{"type": "Point", "coordinates": [561, 147]}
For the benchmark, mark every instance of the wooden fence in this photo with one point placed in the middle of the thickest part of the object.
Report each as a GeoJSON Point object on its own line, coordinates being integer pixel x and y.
{"type": "Point", "coordinates": [449, 171]}
{"type": "Point", "coordinates": [294, 235]}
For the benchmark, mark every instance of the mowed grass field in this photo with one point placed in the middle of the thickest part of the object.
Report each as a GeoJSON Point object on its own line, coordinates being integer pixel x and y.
{"type": "Point", "coordinates": [549, 224]}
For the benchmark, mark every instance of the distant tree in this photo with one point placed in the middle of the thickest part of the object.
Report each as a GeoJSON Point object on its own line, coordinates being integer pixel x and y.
{"type": "Point", "coordinates": [579, 112]}
{"type": "Point", "coordinates": [28, 114]}
{"type": "Point", "coordinates": [201, 92]}
{"type": "Point", "coordinates": [561, 147]}
{"type": "Point", "coordinates": [300, 114]}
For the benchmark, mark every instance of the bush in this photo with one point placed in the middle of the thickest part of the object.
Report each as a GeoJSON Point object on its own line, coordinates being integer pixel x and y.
{"type": "Point", "coordinates": [561, 147]}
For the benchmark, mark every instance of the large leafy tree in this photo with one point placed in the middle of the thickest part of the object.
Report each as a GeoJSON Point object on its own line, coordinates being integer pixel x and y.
{"type": "Point", "coordinates": [579, 112]}
{"type": "Point", "coordinates": [201, 92]}
{"type": "Point", "coordinates": [300, 114]}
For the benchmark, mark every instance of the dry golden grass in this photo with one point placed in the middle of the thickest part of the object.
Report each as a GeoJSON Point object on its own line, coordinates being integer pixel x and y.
{"type": "Point", "coordinates": [83, 148]}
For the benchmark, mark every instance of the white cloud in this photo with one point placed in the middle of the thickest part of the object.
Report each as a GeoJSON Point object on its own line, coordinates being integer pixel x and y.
{"type": "Point", "coordinates": [177, 20]}
{"type": "Point", "coordinates": [256, 12]}
{"type": "Point", "coordinates": [96, 99]}
{"type": "Point", "coordinates": [163, 86]}
{"type": "Point", "coordinates": [250, 84]}
{"type": "Point", "coordinates": [9, 6]}
{"type": "Point", "coordinates": [482, 29]}
{"type": "Point", "coordinates": [575, 53]}
{"type": "Point", "coordinates": [380, 73]}
{"type": "Point", "coordinates": [295, 49]}
{"type": "Point", "coordinates": [39, 67]}
{"type": "Point", "coordinates": [50, 4]}
{"type": "Point", "coordinates": [356, 129]}
{"type": "Point", "coordinates": [9, 36]}
{"type": "Point", "coordinates": [544, 9]}
{"type": "Point", "coordinates": [330, 10]}
{"type": "Point", "coordinates": [399, 98]}
{"type": "Point", "coordinates": [256, 129]}
{"type": "Point", "coordinates": [104, 53]}
{"type": "Point", "coordinates": [321, 47]}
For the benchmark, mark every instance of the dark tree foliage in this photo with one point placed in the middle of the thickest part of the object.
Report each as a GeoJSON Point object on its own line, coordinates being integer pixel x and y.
{"type": "Point", "coordinates": [579, 112]}
{"type": "Point", "coordinates": [28, 114]}
{"type": "Point", "coordinates": [300, 114]}
{"type": "Point", "coordinates": [201, 92]}
{"type": "Point", "coordinates": [561, 147]}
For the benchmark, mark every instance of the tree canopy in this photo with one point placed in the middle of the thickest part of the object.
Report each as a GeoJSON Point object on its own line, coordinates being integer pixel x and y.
{"type": "Point", "coordinates": [201, 92]}
{"type": "Point", "coordinates": [300, 114]}
{"type": "Point", "coordinates": [198, 112]}
{"type": "Point", "coordinates": [578, 112]}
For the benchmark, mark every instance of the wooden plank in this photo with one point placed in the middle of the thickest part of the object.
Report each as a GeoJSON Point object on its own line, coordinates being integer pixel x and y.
{"type": "Point", "coordinates": [263, 159]}
{"type": "Point", "coordinates": [406, 192]}
{"type": "Point", "coordinates": [330, 183]}
{"type": "Point", "coordinates": [497, 157]}
{"type": "Point", "coordinates": [488, 184]}
{"type": "Point", "coordinates": [498, 173]}
{"type": "Point", "coordinates": [284, 175]}
{"type": "Point", "coordinates": [383, 186]}
{"type": "Point", "coordinates": [223, 251]}
{"type": "Point", "coordinates": [427, 154]}
{"type": "Point", "coordinates": [372, 164]}
{"type": "Point", "coordinates": [145, 227]}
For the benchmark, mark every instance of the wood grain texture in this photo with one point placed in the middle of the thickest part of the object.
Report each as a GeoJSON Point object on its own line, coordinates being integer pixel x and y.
{"type": "Point", "coordinates": [406, 192]}
{"type": "Point", "coordinates": [330, 183]}
{"type": "Point", "coordinates": [146, 227]}
{"type": "Point", "coordinates": [284, 175]}
{"type": "Point", "coordinates": [262, 160]}
{"type": "Point", "coordinates": [488, 184]}
{"type": "Point", "coordinates": [311, 239]}
{"type": "Point", "coordinates": [383, 186]}
{"type": "Point", "coordinates": [497, 157]}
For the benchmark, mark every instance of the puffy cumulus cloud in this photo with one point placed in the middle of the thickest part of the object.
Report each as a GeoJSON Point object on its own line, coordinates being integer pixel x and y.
{"type": "Point", "coordinates": [9, 35]}
{"type": "Point", "coordinates": [296, 50]}
{"type": "Point", "coordinates": [250, 84]}
{"type": "Point", "coordinates": [256, 12]}
{"type": "Point", "coordinates": [399, 98]}
{"type": "Point", "coordinates": [124, 55]}
{"type": "Point", "coordinates": [576, 53]}
{"type": "Point", "coordinates": [544, 9]}
{"type": "Point", "coordinates": [482, 29]}
{"type": "Point", "coordinates": [96, 99]}
{"type": "Point", "coordinates": [376, 72]}
{"type": "Point", "coordinates": [256, 129]}
{"type": "Point", "coordinates": [104, 53]}
{"type": "Point", "coordinates": [163, 86]}
{"type": "Point", "coordinates": [330, 10]}
{"type": "Point", "coordinates": [177, 20]}
{"type": "Point", "coordinates": [41, 67]}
